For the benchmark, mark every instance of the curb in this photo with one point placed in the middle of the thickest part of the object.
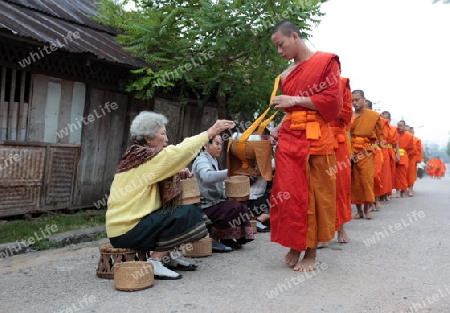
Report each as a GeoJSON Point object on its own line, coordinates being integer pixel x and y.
{"type": "Point", "coordinates": [56, 241]}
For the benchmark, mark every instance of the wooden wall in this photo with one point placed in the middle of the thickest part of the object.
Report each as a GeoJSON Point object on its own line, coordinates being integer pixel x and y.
{"type": "Point", "coordinates": [69, 137]}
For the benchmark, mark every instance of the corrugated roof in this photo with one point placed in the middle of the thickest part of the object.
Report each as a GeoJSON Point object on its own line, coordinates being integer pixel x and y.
{"type": "Point", "coordinates": [52, 22]}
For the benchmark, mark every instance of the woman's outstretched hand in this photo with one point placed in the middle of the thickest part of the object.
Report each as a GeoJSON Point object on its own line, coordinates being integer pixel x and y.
{"type": "Point", "coordinates": [219, 126]}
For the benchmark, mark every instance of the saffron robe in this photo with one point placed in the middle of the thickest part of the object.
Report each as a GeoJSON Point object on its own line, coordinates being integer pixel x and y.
{"type": "Point", "coordinates": [307, 213]}
{"type": "Point", "coordinates": [339, 127]}
{"type": "Point", "coordinates": [389, 154]}
{"type": "Point", "coordinates": [406, 145]}
{"type": "Point", "coordinates": [365, 131]}
{"type": "Point", "coordinates": [393, 141]}
{"type": "Point", "coordinates": [412, 164]}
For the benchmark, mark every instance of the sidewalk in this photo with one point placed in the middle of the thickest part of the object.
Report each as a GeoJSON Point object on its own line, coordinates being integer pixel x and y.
{"type": "Point", "coordinates": [56, 241]}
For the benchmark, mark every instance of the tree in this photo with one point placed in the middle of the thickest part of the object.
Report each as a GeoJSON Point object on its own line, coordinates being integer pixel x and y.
{"type": "Point", "coordinates": [210, 50]}
{"type": "Point", "coordinates": [443, 1]}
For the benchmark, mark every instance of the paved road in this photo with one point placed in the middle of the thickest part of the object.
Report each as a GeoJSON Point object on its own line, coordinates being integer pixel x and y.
{"type": "Point", "coordinates": [397, 262]}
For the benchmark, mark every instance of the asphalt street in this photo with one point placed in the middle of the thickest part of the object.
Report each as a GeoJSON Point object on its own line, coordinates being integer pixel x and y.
{"type": "Point", "coordinates": [397, 262]}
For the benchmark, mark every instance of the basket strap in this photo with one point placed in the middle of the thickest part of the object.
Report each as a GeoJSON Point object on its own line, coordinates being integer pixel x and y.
{"type": "Point", "coordinates": [258, 121]}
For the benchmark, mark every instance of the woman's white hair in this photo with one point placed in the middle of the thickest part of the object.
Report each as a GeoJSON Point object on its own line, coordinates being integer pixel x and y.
{"type": "Point", "coordinates": [147, 123]}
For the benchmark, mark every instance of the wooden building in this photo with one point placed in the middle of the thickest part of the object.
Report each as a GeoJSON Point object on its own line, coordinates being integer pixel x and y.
{"type": "Point", "coordinates": [64, 114]}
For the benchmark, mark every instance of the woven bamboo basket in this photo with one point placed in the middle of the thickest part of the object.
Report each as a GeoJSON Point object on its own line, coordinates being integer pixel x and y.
{"type": "Point", "coordinates": [200, 249]}
{"type": "Point", "coordinates": [133, 276]}
{"type": "Point", "coordinates": [253, 225]}
{"type": "Point", "coordinates": [110, 257]}
{"type": "Point", "coordinates": [237, 188]}
{"type": "Point", "coordinates": [190, 193]}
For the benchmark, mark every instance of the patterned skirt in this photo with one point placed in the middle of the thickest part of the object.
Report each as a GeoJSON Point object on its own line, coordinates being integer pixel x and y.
{"type": "Point", "coordinates": [229, 220]}
{"type": "Point", "coordinates": [165, 229]}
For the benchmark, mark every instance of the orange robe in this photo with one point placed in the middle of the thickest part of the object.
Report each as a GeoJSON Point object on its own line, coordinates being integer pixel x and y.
{"type": "Point", "coordinates": [393, 141]}
{"type": "Point", "coordinates": [388, 151]}
{"type": "Point", "coordinates": [377, 173]}
{"type": "Point", "coordinates": [365, 131]}
{"type": "Point", "coordinates": [339, 127]}
{"type": "Point", "coordinates": [303, 196]}
{"type": "Point", "coordinates": [412, 164]}
{"type": "Point", "coordinates": [431, 167]}
{"type": "Point", "coordinates": [405, 142]}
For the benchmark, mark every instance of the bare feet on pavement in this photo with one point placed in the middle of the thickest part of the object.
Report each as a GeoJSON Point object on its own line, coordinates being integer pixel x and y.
{"type": "Point", "coordinates": [291, 258]}
{"type": "Point", "coordinates": [342, 236]}
{"type": "Point", "coordinates": [308, 263]}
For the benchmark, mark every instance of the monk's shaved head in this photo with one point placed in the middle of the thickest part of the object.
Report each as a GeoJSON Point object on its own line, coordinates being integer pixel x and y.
{"type": "Point", "coordinates": [358, 92]}
{"type": "Point", "coordinates": [368, 103]}
{"type": "Point", "coordinates": [286, 28]}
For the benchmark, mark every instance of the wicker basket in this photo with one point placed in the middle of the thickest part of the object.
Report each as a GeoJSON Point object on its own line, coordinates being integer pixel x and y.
{"type": "Point", "coordinates": [200, 248]}
{"type": "Point", "coordinates": [133, 276]}
{"type": "Point", "coordinates": [237, 188]}
{"type": "Point", "coordinates": [190, 193]}
{"type": "Point", "coordinates": [110, 257]}
{"type": "Point", "coordinates": [253, 225]}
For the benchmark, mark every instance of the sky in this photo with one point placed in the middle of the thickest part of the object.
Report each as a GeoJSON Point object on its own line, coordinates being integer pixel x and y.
{"type": "Point", "coordinates": [397, 52]}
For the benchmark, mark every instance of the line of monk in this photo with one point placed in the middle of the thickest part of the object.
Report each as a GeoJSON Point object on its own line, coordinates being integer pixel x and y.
{"type": "Point", "coordinates": [333, 151]}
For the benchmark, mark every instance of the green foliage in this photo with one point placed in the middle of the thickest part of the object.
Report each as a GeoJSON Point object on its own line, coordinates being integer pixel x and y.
{"type": "Point", "coordinates": [207, 49]}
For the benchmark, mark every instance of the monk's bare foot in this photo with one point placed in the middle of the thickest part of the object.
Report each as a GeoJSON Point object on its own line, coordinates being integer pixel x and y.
{"type": "Point", "coordinates": [342, 236]}
{"type": "Point", "coordinates": [358, 216]}
{"type": "Point", "coordinates": [291, 258]}
{"type": "Point", "coordinates": [322, 245]}
{"type": "Point", "coordinates": [308, 263]}
{"type": "Point", "coordinates": [368, 216]}
{"type": "Point", "coordinates": [377, 206]}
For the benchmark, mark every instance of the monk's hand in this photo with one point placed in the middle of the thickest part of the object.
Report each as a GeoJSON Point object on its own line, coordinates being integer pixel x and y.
{"type": "Point", "coordinates": [283, 101]}
{"type": "Point", "coordinates": [185, 173]}
{"type": "Point", "coordinates": [274, 133]}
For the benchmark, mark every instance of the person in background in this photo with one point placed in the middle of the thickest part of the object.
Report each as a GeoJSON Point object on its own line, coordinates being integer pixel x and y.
{"type": "Point", "coordinates": [230, 219]}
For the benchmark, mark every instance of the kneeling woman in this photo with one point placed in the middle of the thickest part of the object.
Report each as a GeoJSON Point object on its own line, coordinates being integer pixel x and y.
{"type": "Point", "coordinates": [144, 211]}
{"type": "Point", "coordinates": [230, 219]}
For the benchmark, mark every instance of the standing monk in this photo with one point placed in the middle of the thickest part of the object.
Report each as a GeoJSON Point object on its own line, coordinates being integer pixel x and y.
{"type": "Point", "coordinates": [379, 161]}
{"type": "Point", "coordinates": [339, 127]}
{"type": "Point", "coordinates": [390, 154]}
{"type": "Point", "coordinates": [406, 147]}
{"type": "Point", "coordinates": [365, 131]}
{"type": "Point", "coordinates": [412, 172]}
{"type": "Point", "coordinates": [303, 196]}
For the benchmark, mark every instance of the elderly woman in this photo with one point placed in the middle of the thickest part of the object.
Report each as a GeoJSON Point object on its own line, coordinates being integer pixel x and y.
{"type": "Point", "coordinates": [144, 211]}
{"type": "Point", "coordinates": [230, 219]}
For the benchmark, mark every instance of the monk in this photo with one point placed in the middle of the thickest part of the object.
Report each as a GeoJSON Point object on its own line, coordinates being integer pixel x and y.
{"type": "Point", "coordinates": [431, 167]}
{"type": "Point", "coordinates": [417, 158]}
{"type": "Point", "coordinates": [339, 127]}
{"type": "Point", "coordinates": [303, 196]}
{"type": "Point", "coordinates": [406, 147]}
{"type": "Point", "coordinates": [365, 132]}
{"type": "Point", "coordinates": [377, 173]}
{"type": "Point", "coordinates": [391, 154]}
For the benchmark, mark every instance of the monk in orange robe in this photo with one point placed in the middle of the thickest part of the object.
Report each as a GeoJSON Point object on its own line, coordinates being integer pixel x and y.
{"type": "Point", "coordinates": [431, 167]}
{"type": "Point", "coordinates": [443, 169]}
{"type": "Point", "coordinates": [378, 160]}
{"type": "Point", "coordinates": [391, 154]}
{"type": "Point", "coordinates": [303, 196]}
{"type": "Point", "coordinates": [339, 127]}
{"type": "Point", "coordinates": [365, 131]}
{"type": "Point", "coordinates": [412, 169]}
{"type": "Point", "coordinates": [406, 147]}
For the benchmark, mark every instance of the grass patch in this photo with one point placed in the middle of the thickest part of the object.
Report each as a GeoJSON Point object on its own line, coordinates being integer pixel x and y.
{"type": "Point", "coordinates": [48, 224]}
